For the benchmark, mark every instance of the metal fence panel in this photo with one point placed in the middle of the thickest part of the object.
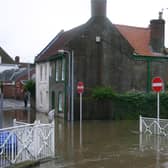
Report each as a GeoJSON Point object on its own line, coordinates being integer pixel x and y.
{"type": "Point", "coordinates": [26, 142]}
{"type": "Point", "coordinates": [153, 126]}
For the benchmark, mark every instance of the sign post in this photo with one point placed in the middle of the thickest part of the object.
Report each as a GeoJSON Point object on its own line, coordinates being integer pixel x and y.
{"type": "Point", "coordinates": [80, 90]}
{"type": "Point", "coordinates": [157, 86]}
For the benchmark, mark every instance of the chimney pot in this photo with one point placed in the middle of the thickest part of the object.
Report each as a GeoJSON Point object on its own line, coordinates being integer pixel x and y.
{"type": "Point", "coordinates": [17, 59]}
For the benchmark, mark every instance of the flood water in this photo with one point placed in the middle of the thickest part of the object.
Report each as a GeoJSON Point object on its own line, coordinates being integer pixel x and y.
{"type": "Point", "coordinates": [101, 144]}
{"type": "Point", "coordinates": [19, 115]}
{"type": "Point", "coordinates": [107, 144]}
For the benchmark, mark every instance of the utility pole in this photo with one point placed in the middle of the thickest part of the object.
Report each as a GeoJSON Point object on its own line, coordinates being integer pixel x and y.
{"type": "Point", "coordinates": [28, 77]}
{"type": "Point", "coordinates": [1, 106]}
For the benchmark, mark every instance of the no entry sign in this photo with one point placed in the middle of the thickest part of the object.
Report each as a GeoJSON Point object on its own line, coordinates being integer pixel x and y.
{"type": "Point", "coordinates": [157, 84]}
{"type": "Point", "coordinates": [80, 87]}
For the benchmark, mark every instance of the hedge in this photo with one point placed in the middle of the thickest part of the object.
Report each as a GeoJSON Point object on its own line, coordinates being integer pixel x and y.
{"type": "Point", "coordinates": [132, 104]}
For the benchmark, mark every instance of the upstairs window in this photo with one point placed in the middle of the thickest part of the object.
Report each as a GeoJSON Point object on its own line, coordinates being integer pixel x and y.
{"type": "Point", "coordinates": [45, 71]}
{"type": "Point", "coordinates": [57, 70]}
{"type": "Point", "coordinates": [60, 70]}
{"type": "Point", "coordinates": [63, 69]}
{"type": "Point", "coordinates": [41, 72]}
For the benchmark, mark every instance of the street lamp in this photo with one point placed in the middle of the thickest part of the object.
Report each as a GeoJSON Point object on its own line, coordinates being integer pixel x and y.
{"type": "Point", "coordinates": [70, 82]}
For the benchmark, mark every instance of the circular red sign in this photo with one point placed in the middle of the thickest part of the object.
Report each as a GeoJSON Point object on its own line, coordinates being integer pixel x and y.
{"type": "Point", "coordinates": [80, 87]}
{"type": "Point", "coordinates": [157, 84]}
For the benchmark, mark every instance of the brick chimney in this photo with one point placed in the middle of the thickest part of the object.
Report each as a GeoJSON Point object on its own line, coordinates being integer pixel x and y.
{"type": "Point", "coordinates": [157, 28]}
{"type": "Point", "coordinates": [98, 8]}
{"type": "Point", "coordinates": [17, 59]}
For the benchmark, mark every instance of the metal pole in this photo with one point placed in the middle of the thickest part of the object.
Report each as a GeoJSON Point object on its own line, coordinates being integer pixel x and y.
{"type": "Point", "coordinates": [28, 103]}
{"type": "Point", "coordinates": [158, 107]}
{"type": "Point", "coordinates": [69, 82]}
{"type": "Point", "coordinates": [80, 119]}
{"type": "Point", "coordinates": [28, 68]}
{"type": "Point", "coordinates": [140, 124]}
{"type": "Point", "coordinates": [80, 108]}
{"type": "Point", "coordinates": [72, 89]}
{"type": "Point", "coordinates": [148, 77]}
{"type": "Point", "coordinates": [1, 110]}
{"type": "Point", "coordinates": [158, 115]}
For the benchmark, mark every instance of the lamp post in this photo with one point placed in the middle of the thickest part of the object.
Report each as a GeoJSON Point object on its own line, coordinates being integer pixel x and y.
{"type": "Point", "coordinates": [70, 82]}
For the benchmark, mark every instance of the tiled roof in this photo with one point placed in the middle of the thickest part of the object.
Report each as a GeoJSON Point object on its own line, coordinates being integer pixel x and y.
{"type": "Point", "coordinates": [138, 38]}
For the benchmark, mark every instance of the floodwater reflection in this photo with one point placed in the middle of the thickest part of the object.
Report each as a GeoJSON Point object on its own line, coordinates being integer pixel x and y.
{"type": "Point", "coordinates": [106, 144]}
{"type": "Point", "coordinates": [19, 115]}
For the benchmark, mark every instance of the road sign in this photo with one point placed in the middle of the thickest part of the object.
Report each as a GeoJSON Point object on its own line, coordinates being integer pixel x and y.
{"type": "Point", "coordinates": [157, 84]}
{"type": "Point", "coordinates": [80, 87]}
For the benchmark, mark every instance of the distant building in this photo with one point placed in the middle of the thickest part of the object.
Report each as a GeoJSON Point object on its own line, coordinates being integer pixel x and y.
{"type": "Point", "coordinates": [98, 53]}
{"type": "Point", "coordinates": [13, 75]}
{"type": "Point", "coordinates": [5, 58]}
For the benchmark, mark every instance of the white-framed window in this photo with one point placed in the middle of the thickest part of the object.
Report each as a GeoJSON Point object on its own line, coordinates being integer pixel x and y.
{"type": "Point", "coordinates": [57, 69]}
{"type": "Point", "coordinates": [45, 71]}
{"type": "Point", "coordinates": [60, 69]}
{"type": "Point", "coordinates": [41, 72]}
{"type": "Point", "coordinates": [63, 69]}
{"type": "Point", "coordinates": [60, 102]}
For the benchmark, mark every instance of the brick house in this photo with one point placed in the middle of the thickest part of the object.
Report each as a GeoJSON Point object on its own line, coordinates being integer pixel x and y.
{"type": "Point", "coordinates": [13, 73]}
{"type": "Point", "coordinates": [101, 53]}
{"type": "Point", "coordinates": [14, 81]}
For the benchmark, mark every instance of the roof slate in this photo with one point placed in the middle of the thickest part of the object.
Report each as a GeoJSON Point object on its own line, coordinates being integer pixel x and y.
{"type": "Point", "coordinates": [139, 39]}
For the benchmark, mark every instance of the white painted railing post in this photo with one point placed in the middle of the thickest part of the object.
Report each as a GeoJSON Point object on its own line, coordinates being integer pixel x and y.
{"type": "Point", "coordinates": [14, 122]}
{"type": "Point", "coordinates": [36, 138]}
{"type": "Point", "coordinates": [53, 137]}
{"type": "Point", "coordinates": [140, 124]}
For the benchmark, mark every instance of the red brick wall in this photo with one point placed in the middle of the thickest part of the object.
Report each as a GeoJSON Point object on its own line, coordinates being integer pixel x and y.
{"type": "Point", "coordinates": [9, 91]}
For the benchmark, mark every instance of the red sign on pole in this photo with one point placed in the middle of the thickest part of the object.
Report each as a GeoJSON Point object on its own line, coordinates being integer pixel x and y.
{"type": "Point", "coordinates": [157, 84]}
{"type": "Point", "coordinates": [80, 87]}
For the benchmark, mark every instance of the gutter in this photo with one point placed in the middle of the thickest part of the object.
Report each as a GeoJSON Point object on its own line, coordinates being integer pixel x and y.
{"type": "Point", "coordinates": [148, 60]}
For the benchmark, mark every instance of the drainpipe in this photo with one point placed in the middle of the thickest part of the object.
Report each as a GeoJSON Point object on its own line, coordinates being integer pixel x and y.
{"type": "Point", "coordinates": [28, 77]}
{"type": "Point", "coordinates": [72, 88]}
{"type": "Point", "coordinates": [1, 110]}
{"type": "Point", "coordinates": [148, 88]}
{"type": "Point", "coordinates": [69, 83]}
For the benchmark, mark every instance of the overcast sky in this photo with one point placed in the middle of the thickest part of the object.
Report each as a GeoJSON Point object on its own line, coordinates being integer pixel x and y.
{"type": "Point", "coordinates": [27, 26]}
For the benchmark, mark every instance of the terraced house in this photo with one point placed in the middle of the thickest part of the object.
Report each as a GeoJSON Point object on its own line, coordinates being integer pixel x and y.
{"type": "Point", "coordinates": [99, 53]}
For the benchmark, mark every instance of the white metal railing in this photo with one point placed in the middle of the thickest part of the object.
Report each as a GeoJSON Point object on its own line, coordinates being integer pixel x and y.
{"type": "Point", "coordinates": [26, 142]}
{"type": "Point", "coordinates": [153, 142]}
{"type": "Point", "coordinates": [153, 126]}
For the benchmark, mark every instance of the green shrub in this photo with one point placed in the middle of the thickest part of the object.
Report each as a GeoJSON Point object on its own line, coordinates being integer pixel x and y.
{"type": "Point", "coordinates": [30, 86]}
{"type": "Point", "coordinates": [130, 105]}
{"type": "Point", "coordinates": [103, 93]}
